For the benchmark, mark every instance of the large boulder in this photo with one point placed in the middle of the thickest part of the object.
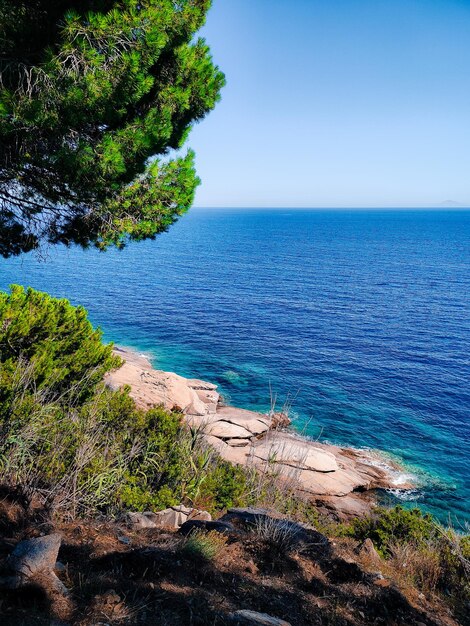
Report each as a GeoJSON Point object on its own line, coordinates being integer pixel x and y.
{"type": "Point", "coordinates": [34, 560]}
{"type": "Point", "coordinates": [32, 556]}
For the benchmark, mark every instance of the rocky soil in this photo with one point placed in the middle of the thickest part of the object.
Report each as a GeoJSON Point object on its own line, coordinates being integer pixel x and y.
{"type": "Point", "coordinates": [338, 479]}
{"type": "Point", "coordinates": [266, 571]}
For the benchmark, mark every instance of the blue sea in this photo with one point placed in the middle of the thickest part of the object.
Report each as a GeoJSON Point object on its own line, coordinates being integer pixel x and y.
{"type": "Point", "coordinates": [359, 319]}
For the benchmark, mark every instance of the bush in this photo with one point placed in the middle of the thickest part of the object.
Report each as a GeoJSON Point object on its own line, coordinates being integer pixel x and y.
{"type": "Point", "coordinates": [225, 486]}
{"type": "Point", "coordinates": [389, 527]}
{"type": "Point", "coordinates": [87, 447]}
{"type": "Point", "coordinates": [50, 346]}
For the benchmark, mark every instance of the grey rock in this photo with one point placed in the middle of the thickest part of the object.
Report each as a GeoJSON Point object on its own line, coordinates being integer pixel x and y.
{"type": "Point", "coordinates": [172, 518]}
{"type": "Point", "coordinates": [252, 618]}
{"type": "Point", "coordinates": [35, 559]}
{"type": "Point", "coordinates": [139, 521]}
{"type": "Point", "coordinates": [35, 555]}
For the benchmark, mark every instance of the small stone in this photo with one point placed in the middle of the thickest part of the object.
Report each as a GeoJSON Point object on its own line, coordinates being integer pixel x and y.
{"type": "Point", "coordinates": [252, 618]}
{"type": "Point", "coordinates": [139, 521]}
{"type": "Point", "coordinates": [367, 550]}
{"type": "Point", "coordinates": [125, 540]}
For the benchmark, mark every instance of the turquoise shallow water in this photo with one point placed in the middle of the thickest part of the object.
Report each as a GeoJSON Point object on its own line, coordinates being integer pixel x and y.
{"type": "Point", "coordinates": [361, 318]}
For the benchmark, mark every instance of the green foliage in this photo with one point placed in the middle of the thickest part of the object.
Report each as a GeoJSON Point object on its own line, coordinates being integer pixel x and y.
{"type": "Point", "coordinates": [91, 93]}
{"type": "Point", "coordinates": [202, 546]}
{"type": "Point", "coordinates": [47, 345]}
{"type": "Point", "coordinates": [388, 527]}
{"type": "Point", "coordinates": [90, 447]}
{"type": "Point", "coordinates": [226, 486]}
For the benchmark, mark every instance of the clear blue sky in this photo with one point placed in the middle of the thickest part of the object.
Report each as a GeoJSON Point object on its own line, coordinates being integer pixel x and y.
{"type": "Point", "coordinates": [338, 103]}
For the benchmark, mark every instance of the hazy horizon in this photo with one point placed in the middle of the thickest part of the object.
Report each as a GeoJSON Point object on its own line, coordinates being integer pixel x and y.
{"type": "Point", "coordinates": [342, 208]}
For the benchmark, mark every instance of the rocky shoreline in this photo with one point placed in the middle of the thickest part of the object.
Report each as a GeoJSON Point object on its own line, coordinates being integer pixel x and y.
{"type": "Point", "coordinates": [340, 480]}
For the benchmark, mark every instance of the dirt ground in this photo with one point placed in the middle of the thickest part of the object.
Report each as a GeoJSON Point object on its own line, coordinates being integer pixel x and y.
{"type": "Point", "coordinates": [118, 577]}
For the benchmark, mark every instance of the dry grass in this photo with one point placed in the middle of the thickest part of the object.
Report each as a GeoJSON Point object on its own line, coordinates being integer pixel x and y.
{"type": "Point", "coordinates": [203, 546]}
{"type": "Point", "coordinates": [418, 566]}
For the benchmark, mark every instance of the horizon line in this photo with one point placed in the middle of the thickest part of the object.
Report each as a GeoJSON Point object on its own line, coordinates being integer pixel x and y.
{"type": "Point", "coordinates": [339, 208]}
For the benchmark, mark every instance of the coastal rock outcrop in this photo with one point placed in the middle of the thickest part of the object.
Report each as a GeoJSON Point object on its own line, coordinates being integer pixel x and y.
{"type": "Point", "coordinates": [333, 475]}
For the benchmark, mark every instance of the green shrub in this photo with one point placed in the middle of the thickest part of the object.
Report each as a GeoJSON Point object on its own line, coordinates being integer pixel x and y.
{"type": "Point", "coordinates": [89, 447]}
{"type": "Point", "coordinates": [225, 486]}
{"type": "Point", "coordinates": [50, 346]}
{"type": "Point", "coordinates": [388, 527]}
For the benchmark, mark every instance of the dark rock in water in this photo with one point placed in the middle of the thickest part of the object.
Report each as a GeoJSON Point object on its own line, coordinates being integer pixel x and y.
{"type": "Point", "coordinates": [252, 618]}
{"type": "Point", "coordinates": [219, 526]}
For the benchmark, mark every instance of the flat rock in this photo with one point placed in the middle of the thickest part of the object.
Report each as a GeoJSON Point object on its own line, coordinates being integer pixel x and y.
{"type": "Point", "coordinates": [233, 454]}
{"type": "Point", "coordinates": [226, 430]}
{"type": "Point", "coordinates": [345, 507]}
{"type": "Point", "coordinates": [256, 423]}
{"type": "Point", "coordinates": [202, 385]}
{"type": "Point", "coordinates": [303, 455]}
{"type": "Point", "coordinates": [238, 443]}
{"type": "Point", "coordinates": [340, 483]}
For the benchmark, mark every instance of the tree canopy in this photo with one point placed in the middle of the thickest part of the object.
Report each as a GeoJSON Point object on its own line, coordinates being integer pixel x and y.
{"type": "Point", "coordinates": [93, 94]}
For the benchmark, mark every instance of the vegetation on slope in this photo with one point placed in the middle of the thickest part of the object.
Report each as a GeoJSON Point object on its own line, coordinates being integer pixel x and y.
{"type": "Point", "coordinates": [83, 450]}
{"type": "Point", "coordinates": [86, 447]}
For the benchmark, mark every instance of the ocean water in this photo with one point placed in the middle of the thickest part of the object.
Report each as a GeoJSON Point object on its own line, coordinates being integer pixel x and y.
{"type": "Point", "coordinates": [360, 320]}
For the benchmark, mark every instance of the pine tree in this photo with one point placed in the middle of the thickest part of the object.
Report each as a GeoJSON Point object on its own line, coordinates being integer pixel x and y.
{"type": "Point", "coordinates": [93, 95]}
